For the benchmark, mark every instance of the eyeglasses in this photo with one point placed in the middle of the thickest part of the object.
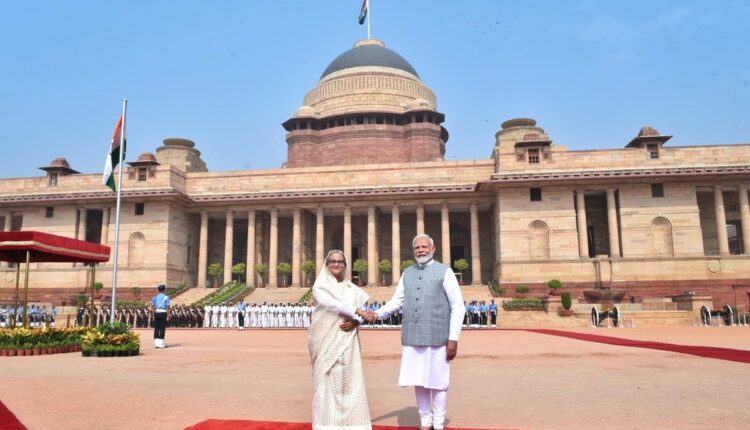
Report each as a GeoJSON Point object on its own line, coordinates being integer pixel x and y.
{"type": "Point", "coordinates": [332, 262]}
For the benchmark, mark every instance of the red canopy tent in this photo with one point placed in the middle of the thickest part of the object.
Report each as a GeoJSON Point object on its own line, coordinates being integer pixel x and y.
{"type": "Point", "coordinates": [37, 247]}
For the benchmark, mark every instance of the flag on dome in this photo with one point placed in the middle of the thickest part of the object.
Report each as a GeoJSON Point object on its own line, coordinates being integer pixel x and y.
{"type": "Point", "coordinates": [363, 11]}
{"type": "Point", "coordinates": [113, 158]}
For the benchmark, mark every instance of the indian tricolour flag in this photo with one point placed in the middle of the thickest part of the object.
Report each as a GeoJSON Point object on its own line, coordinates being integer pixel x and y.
{"type": "Point", "coordinates": [113, 158]}
{"type": "Point", "coordinates": [363, 11]}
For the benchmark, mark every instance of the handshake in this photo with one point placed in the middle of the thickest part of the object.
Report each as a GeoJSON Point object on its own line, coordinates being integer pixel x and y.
{"type": "Point", "coordinates": [368, 315]}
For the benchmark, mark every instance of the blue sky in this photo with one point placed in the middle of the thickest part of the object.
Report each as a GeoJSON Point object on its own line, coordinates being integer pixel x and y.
{"type": "Point", "coordinates": [226, 74]}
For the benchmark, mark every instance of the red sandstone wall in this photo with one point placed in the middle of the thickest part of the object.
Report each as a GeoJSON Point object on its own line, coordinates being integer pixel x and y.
{"type": "Point", "coordinates": [364, 144]}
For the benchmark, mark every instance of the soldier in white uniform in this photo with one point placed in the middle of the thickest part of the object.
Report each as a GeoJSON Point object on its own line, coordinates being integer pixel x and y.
{"type": "Point", "coordinates": [223, 316]}
{"type": "Point", "coordinates": [264, 320]}
{"type": "Point", "coordinates": [206, 316]}
{"type": "Point", "coordinates": [215, 316]}
{"type": "Point", "coordinates": [231, 316]}
{"type": "Point", "coordinates": [246, 319]}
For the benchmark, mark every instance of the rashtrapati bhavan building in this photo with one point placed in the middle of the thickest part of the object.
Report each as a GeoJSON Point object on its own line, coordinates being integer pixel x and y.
{"type": "Point", "coordinates": [365, 172]}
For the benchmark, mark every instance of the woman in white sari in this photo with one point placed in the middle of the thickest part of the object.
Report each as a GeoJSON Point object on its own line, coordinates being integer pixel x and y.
{"type": "Point", "coordinates": [339, 398]}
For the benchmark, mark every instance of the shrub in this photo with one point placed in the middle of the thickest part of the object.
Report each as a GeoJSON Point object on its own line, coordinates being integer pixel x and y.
{"type": "Point", "coordinates": [554, 284]}
{"type": "Point", "coordinates": [239, 269]}
{"type": "Point", "coordinates": [97, 286]}
{"type": "Point", "coordinates": [461, 265]}
{"type": "Point", "coordinates": [495, 288]}
{"type": "Point", "coordinates": [305, 297]}
{"type": "Point", "coordinates": [406, 264]}
{"type": "Point", "coordinates": [533, 304]}
{"type": "Point", "coordinates": [567, 301]}
{"type": "Point", "coordinates": [522, 289]}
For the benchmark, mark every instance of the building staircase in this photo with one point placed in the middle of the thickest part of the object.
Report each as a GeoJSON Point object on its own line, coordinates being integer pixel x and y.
{"type": "Point", "coordinates": [192, 295]}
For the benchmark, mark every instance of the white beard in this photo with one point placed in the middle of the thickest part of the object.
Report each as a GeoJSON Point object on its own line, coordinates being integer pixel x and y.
{"type": "Point", "coordinates": [424, 260]}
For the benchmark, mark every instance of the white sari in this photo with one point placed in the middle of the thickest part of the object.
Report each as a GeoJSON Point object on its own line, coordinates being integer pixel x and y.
{"type": "Point", "coordinates": [339, 397]}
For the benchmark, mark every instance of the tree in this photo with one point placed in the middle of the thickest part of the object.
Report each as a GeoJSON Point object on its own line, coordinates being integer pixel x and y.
{"type": "Point", "coordinates": [385, 266]}
{"type": "Point", "coordinates": [284, 268]}
{"type": "Point", "coordinates": [406, 264]}
{"type": "Point", "coordinates": [239, 269]}
{"type": "Point", "coordinates": [359, 266]}
{"type": "Point", "coordinates": [461, 265]}
{"type": "Point", "coordinates": [214, 270]}
{"type": "Point", "coordinates": [308, 267]}
{"type": "Point", "coordinates": [260, 269]}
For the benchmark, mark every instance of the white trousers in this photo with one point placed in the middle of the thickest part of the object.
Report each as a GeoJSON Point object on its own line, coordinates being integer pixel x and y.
{"type": "Point", "coordinates": [431, 405]}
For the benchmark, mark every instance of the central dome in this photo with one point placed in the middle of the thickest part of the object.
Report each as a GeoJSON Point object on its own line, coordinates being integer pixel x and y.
{"type": "Point", "coordinates": [369, 53]}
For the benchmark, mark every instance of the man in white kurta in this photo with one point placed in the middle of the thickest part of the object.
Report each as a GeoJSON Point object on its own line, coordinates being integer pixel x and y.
{"type": "Point", "coordinates": [431, 329]}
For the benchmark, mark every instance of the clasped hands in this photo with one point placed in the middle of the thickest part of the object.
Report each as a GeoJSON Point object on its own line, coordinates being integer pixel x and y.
{"type": "Point", "coordinates": [368, 315]}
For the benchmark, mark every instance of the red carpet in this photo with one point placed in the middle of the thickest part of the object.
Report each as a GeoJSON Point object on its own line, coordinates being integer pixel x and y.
{"type": "Point", "coordinates": [739, 355]}
{"type": "Point", "coordinates": [270, 425]}
{"type": "Point", "coordinates": [8, 421]}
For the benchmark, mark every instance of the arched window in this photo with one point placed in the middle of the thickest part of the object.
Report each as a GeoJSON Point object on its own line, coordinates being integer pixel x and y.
{"type": "Point", "coordinates": [661, 237]}
{"type": "Point", "coordinates": [538, 241]}
{"type": "Point", "coordinates": [135, 249]}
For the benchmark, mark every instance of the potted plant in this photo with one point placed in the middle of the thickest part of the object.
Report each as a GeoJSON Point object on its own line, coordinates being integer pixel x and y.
{"type": "Point", "coordinates": [97, 286]}
{"type": "Point", "coordinates": [260, 269]}
{"type": "Point", "coordinates": [284, 268]}
{"type": "Point", "coordinates": [385, 266]}
{"type": "Point", "coordinates": [214, 270]}
{"type": "Point", "coordinates": [359, 266]}
{"type": "Point", "coordinates": [555, 287]}
{"type": "Point", "coordinates": [239, 269]}
{"type": "Point", "coordinates": [461, 265]}
{"type": "Point", "coordinates": [406, 264]}
{"type": "Point", "coordinates": [567, 303]}
{"type": "Point", "coordinates": [307, 267]}
{"type": "Point", "coordinates": [136, 292]}
{"type": "Point", "coordinates": [522, 290]}
{"type": "Point", "coordinates": [81, 299]}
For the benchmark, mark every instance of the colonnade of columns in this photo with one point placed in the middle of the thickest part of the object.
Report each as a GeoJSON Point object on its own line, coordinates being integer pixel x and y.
{"type": "Point", "coordinates": [613, 221]}
{"type": "Point", "coordinates": [299, 248]}
{"type": "Point", "coordinates": [721, 218]}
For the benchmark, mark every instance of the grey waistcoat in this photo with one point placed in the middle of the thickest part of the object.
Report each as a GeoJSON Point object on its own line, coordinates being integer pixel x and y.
{"type": "Point", "coordinates": [426, 310]}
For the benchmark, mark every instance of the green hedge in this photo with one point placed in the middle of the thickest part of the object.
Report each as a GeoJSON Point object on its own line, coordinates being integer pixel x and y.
{"type": "Point", "coordinates": [533, 304]}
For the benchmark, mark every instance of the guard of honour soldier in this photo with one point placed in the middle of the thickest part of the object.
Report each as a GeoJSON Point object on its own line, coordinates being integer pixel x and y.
{"type": "Point", "coordinates": [39, 315]}
{"type": "Point", "coordinates": [241, 316]}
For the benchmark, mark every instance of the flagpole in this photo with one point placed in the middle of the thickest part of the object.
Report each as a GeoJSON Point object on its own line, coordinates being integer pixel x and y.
{"type": "Point", "coordinates": [369, 12]}
{"type": "Point", "coordinates": [117, 213]}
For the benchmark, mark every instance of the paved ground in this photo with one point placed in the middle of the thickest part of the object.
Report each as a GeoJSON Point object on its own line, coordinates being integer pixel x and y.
{"type": "Point", "coordinates": [501, 379]}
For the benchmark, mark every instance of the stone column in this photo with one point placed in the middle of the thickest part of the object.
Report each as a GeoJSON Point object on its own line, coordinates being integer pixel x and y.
{"type": "Point", "coordinates": [420, 218]}
{"type": "Point", "coordinates": [446, 235]}
{"type": "Point", "coordinates": [105, 226]}
{"type": "Point", "coordinates": [476, 269]}
{"type": "Point", "coordinates": [7, 227]}
{"type": "Point", "coordinates": [273, 249]}
{"type": "Point", "coordinates": [348, 237]}
{"type": "Point", "coordinates": [203, 250]}
{"type": "Point", "coordinates": [8, 221]}
{"type": "Point", "coordinates": [319, 239]}
{"type": "Point", "coordinates": [583, 241]}
{"type": "Point", "coordinates": [745, 218]}
{"type": "Point", "coordinates": [296, 252]}
{"type": "Point", "coordinates": [498, 245]}
{"type": "Point", "coordinates": [82, 225]}
{"type": "Point", "coordinates": [614, 236]}
{"type": "Point", "coordinates": [721, 221]}
{"type": "Point", "coordinates": [372, 248]}
{"type": "Point", "coordinates": [250, 274]}
{"type": "Point", "coordinates": [228, 246]}
{"type": "Point", "coordinates": [395, 244]}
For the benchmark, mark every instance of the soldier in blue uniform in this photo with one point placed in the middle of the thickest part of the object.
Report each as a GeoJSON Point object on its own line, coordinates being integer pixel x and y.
{"type": "Point", "coordinates": [493, 313]}
{"type": "Point", "coordinates": [241, 315]}
{"type": "Point", "coordinates": [160, 304]}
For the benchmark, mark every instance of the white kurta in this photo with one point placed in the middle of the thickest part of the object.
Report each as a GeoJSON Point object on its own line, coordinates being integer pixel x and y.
{"type": "Point", "coordinates": [427, 366]}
